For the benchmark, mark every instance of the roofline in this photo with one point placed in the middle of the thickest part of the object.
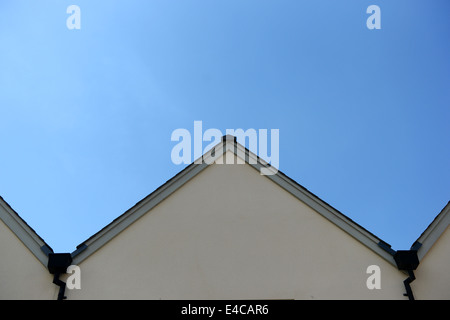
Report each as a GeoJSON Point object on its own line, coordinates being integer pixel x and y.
{"type": "Point", "coordinates": [355, 230]}
{"type": "Point", "coordinates": [24, 232]}
{"type": "Point", "coordinates": [432, 233]}
{"type": "Point", "coordinates": [100, 238]}
{"type": "Point", "coordinates": [96, 241]}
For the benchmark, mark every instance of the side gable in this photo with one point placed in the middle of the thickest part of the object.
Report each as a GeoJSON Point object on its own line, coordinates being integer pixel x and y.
{"type": "Point", "coordinates": [433, 232]}
{"type": "Point", "coordinates": [230, 233]}
{"type": "Point", "coordinates": [24, 232]}
{"type": "Point", "coordinates": [433, 278]}
{"type": "Point", "coordinates": [229, 143]}
{"type": "Point", "coordinates": [23, 264]}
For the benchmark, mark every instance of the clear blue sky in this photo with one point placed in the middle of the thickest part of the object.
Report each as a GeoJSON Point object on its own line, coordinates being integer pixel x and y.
{"type": "Point", "coordinates": [86, 115]}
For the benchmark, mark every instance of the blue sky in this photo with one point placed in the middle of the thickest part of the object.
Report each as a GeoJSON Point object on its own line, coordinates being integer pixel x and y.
{"type": "Point", "coordinates": [86, 115]}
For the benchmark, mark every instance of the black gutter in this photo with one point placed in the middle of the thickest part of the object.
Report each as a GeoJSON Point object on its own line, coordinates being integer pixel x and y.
{"type": "Point", "coordinates": [408, 261]}
{"type": "Point", "coordinates": [57, 265]}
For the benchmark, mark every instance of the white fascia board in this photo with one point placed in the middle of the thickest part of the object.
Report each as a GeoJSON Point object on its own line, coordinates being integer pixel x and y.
{"type": "Point", "coordinates": [322, 208]}
{"type": "Point", "coordinates": [25, 234]}
{"type": "Point", "coordinates": [243, 156]}
{"type": "Point", "coordinates": [433, 231]}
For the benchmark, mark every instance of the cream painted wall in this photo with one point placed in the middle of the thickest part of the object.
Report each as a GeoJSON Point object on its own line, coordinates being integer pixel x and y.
{"type": "Point", "coordinates": [230, 233]}
{"type": "Point", "coordinates": [22, 275]}
{"type": "Point", "coordinates": [433, 273]}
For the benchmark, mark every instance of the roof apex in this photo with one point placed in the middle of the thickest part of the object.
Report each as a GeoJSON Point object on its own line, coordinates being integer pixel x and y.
{"type": "Point", "coordinates": [99, 239]}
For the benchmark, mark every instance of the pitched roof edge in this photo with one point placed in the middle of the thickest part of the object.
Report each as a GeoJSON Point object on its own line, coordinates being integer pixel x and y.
{"type": "Point", "coordinates": [432, 233]}
{"type": "Point", "coordinates": [326, 210]}
{"type": "Point", "coordinates": [24, 232]}
{"type": "Point", "coordinates": [96, 241]}
{"type": "Point", "coordinates": [103, 236]}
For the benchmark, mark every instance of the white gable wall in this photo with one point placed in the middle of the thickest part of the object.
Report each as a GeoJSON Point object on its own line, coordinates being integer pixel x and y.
{"type": "Point", "coordinates": [230, 233]}
{"type": "Point", "coordinates": [433, 273]}
{"type": "Point", "coordinates": [22, 275]}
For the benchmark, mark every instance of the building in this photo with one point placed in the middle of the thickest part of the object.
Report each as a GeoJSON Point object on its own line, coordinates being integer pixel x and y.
{"type": "Point", "coordinates": [223, 231]}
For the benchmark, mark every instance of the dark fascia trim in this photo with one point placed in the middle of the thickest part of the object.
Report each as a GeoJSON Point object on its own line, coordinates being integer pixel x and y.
{"type": "Point", "coordinates": [96, 241]}
{"type": "Point", "coordinates": [80, 249]}
{"type": "Point", "coordinates": [46, 249]}
{"type": "Point", "coordinates": [386, 247]}
{"type": "Point", "coordinates": [416, 246]}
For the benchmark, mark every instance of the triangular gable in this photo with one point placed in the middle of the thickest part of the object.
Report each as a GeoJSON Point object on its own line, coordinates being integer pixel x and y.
{"type": "Point", "coordinates": [432, 233]}
{"type": "Point", "coordinates": [229, 143]}
{"type": "Point", "coordinates": [24, 232]}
